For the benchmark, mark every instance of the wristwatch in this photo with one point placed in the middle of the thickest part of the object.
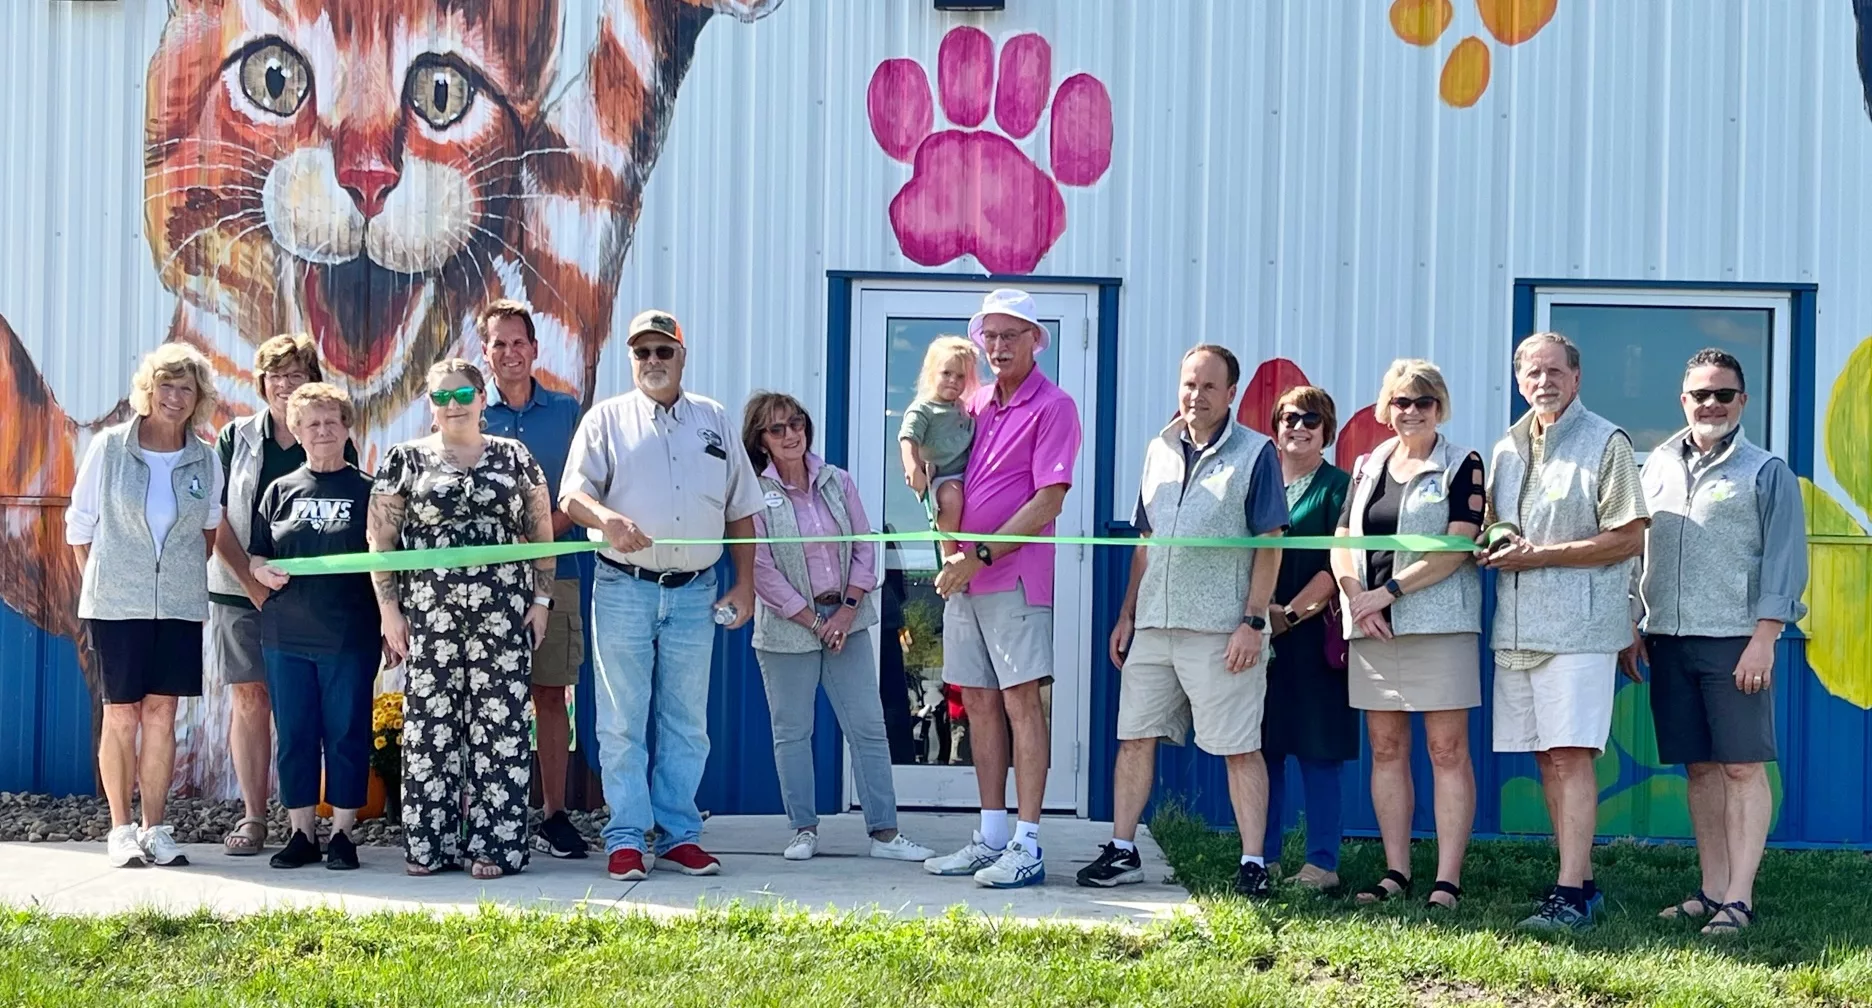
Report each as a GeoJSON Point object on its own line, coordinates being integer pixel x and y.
{"type": "Point", "coordinates": [1254, 622]}
{"type": "Point", "coordinates": [543, 600]}
{"type": "Point", "coordinates": [851, 603]}
{"type": "Point", "coordinates": [1396, 590]}
{"type": "Point", "coordinates": [982, 554]}
{"type": "Point", "coordinates": [1292, 617]}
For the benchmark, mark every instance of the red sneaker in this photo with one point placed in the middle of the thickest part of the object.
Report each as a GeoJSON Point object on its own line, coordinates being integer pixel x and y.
{"type": "Point", "coordinates": [626, 865]}
{"type": "Point", "coordinates": [690, 860]}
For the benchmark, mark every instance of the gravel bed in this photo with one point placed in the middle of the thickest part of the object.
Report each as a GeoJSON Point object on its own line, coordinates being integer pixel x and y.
{"type": "Point", "coordinates": [43, 818]}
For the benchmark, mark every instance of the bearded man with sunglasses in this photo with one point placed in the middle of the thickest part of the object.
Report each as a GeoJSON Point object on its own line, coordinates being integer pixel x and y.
{"type": "Point", "coordinates": [659, 463]}
{"type": "Point", "coordinates": [1564, 478]}
{"type": "Point", "coordinates": [1724, 570]}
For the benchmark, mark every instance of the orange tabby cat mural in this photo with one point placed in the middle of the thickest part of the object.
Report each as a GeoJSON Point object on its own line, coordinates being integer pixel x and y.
{"type": "Point", "coordinates": [369, 171]}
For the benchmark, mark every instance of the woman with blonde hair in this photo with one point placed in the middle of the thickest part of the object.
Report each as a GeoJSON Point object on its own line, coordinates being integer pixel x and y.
{"type": "Point", "coordinates": [145, 503]}
{"type": "Point", "coordinates": [938, 430]}
{"type": "Point", "coordinates": [1413, 621]}
{"type": "Point", "coordinates": [468, 632]}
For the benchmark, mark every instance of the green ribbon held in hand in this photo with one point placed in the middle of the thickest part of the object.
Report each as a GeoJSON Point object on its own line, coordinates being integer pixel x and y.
{"type": "Point", "coordinates": [482, 556]}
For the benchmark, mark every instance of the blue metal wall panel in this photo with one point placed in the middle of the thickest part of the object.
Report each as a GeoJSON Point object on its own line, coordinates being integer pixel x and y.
{"type": "Point", "coordinates": [45, 712]}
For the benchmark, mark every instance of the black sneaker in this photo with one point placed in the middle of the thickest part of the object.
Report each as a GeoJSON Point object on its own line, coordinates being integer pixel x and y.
{"type": "Point", "coordinates": [558, 837]}
{"type": "Point", "coordinates": [1252, 881]}
{"type": "Point", "coordinates": [299, 851]}
{"type": "Point", "coordinates": [1114, 867]}
{"type": "Point", "coordinates": [340, 853]}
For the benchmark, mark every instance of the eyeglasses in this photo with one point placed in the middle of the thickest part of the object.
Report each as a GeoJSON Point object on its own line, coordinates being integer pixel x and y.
{"type": "Point", "coordinates": [1422, 403]}
{"type": "Point", "coordinates": [798, 423]}
{"type": "Point", "coordinates": [1310, 420]}
{"type": "Point", "coordinates": [464, 396]}
{"type": "Point", "coordinates": [1721, 395]}
{"type": "Point", "coordinates": [662, 351]}
{"type": "Point", "coordinates": [1005, 336]}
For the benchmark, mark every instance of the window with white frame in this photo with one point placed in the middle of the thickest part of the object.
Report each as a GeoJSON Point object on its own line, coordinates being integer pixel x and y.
{"type": "Point", "coordinates": [1634, 342]}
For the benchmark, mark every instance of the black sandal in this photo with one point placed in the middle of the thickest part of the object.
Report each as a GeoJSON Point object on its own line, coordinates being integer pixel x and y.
{"type": "Point", "coordinates": [1379, 893]}
{"type": "Point", "coordinates": [1454, 890]}
{"type": "Point", "coordinates": [1736, 913]}
{"type": "Point", "coordinates": [1678, 910]}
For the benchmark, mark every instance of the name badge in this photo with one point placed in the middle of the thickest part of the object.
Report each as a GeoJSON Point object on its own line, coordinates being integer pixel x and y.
{"type": "Point", "coordinates": [1722, 489]}
{"type": "Point", "coordinates": [775, 499]}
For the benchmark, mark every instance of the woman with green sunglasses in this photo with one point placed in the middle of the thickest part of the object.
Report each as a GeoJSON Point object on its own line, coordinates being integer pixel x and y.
{"type": "Point", "coordinates": [468, 633]}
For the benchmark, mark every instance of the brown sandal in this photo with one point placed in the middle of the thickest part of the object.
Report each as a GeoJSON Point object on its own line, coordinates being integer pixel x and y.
{"type": "Point", "coordinates": [242, 841]}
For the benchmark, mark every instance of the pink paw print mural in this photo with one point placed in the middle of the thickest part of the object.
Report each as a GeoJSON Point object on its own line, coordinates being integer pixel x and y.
{"type": "Point", "coordinates": [974, 190]}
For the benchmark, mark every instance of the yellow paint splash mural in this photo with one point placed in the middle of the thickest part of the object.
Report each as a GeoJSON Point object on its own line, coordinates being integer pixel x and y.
{"type": "Point", "coordinates": [1466, 69]}
{"type": "Point", "coordinates": [1839, 585]}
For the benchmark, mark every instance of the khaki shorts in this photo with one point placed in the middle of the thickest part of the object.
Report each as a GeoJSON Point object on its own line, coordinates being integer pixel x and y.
{"type": "Point", "coordinates": [557, 661]}
{"type": "Point", "coordinates": [1172, 678]}
{"type": "Point", "coordinates": [996, 640]}
{"type": "Point", "coordinates": [1566, 702]}
{"type": "Point", "coordinates": [236, 636]}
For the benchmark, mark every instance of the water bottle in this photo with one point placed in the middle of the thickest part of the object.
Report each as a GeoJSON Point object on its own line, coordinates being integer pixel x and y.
{"type": "Point", "coordinates": [726, 613]}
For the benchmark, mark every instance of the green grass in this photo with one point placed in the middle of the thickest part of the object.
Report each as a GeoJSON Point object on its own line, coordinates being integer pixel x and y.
{"type": "Point", "coordinates": [1811, 948]}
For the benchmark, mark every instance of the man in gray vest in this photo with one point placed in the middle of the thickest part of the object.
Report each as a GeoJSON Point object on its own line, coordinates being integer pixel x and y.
{"type": "Point", "coordinates": [1724, 570]}
{"type": "Point", "coordinates": [1565, 478]}
{"type": "Point", "coordinates": [1192, 634]}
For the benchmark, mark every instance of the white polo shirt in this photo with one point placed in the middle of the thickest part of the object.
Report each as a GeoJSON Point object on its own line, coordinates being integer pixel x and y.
{"type": "Point", "coordinates": [679, 473]}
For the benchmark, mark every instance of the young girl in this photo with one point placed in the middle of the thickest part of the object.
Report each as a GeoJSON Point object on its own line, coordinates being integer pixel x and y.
{"type": "Point", "coordinates": [937, 430]}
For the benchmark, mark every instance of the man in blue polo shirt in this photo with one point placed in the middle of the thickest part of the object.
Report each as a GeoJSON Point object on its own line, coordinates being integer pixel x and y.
{"type": "Point", "coordinates": [543, 420]}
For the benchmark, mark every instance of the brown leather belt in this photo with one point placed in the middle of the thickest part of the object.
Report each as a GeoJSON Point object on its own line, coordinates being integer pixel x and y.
{"type": "Point", "coordinates": [828, 598]}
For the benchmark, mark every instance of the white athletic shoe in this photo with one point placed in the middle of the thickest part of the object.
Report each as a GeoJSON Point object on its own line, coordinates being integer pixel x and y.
{"type": "Point", "coordinates": [967, 861]}
{"type": "Point", "coordinates": [159, 843]}
{"type": "Point", "coordinates": [122, 849]}
{"type": "Point", "coordinates": [805, 844]}
{"type": "Point", "coordinates": [900, 848]}
{"type": "Point", "coordinates": [1018, 867]}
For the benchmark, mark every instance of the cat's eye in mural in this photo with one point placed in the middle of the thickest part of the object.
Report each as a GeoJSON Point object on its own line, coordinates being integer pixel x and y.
{"type": "Point", "coordinates": [439, 92]}
{"type": "Point", "coordinates": [276, 78]}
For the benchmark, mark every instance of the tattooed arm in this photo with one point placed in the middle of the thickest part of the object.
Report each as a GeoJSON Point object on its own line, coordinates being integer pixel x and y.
{"type": "Point", "coordinates": [383, 527]}
{"type": "Point", "coordinates": [540, 522]}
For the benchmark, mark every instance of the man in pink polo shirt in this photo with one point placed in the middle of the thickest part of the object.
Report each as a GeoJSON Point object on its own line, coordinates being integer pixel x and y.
{"type": "Point", "coordinates": [998, 620]}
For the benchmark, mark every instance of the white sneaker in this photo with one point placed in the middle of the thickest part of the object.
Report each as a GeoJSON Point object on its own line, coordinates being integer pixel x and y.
{"type": "Point", "coordinates": [900, 848]}
{"type": "Point", "coordinates": [967, 861]}
{"type": "Point", "coordinates": [1018, 867]}
{"type": "Point", "coordinates": [158, 842]}
{"type": "Point", "coordinates": [122, 850]}
{"type": "Point", "coordinates": [805, 844]}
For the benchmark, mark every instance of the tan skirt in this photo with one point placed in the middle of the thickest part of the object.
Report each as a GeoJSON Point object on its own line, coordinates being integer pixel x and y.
{"type": "Point", "coordinates": [1415, 672]}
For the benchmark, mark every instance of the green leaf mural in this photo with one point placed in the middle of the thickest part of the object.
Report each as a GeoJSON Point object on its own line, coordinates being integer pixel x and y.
{"type": "Point", "coordinates": [1839, 607]}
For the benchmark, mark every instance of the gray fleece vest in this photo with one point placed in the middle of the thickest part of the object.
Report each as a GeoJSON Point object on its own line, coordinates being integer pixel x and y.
{"type": "Point", "coordinates": [1210, 584]}
{"type": "Point", "coordinates": [1452, 605]}
{"type": "Point", "coordinates": [1703, 552]}
{"type": "Point", "coordinates": [243, 485]}
{"type": "Point", "coordinates": [1558, 610]}
{"type": "Point", "coordinates": [772, 632]}
{"type": "Point", "coordinates": [123, 579]}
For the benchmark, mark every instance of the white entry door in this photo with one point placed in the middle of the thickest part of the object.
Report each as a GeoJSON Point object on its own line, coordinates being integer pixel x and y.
{"type": "Point", "coordinates": [893, 322]}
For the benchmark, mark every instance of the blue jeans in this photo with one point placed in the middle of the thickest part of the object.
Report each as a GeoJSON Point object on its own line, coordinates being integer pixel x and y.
{"type": "Point", "coordinates": [1321, 779]}
{"type": "Point", "coordinates": [649, 640]}
{"type": "Point", "coordinates": [322, 706]}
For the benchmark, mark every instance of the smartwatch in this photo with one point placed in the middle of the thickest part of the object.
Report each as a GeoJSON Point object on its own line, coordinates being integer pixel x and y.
{"type": "Point", "coordinates": [1292, 617]}
{"type": "Point", "coordinates": [851, 603]}
{"type": "Point", "coordinates": [982, 554]}
{"type": "Point", "coordinates": [1255, 622]}
{"type": "Point", "coordinates": [1396, 590]}
{"type": "Point", "coordinates": [543, 600]}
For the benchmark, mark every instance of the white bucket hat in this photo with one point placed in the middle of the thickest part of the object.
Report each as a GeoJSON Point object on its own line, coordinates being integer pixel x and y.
{"type": "Point", "coordinates": [1008, 301]}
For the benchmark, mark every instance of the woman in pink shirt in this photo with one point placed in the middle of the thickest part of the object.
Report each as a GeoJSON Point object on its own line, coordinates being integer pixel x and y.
{"type": "Point", "coordinates": [812, 624]}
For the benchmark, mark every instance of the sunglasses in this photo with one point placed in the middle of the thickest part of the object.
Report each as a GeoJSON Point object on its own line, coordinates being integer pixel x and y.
{"type": "Point", "coordinates": [798, 423]}
{"type": "Point", "coordinates": [1310, 420]}
{"type": "Point", "coordinates": [662, 351]}
{"type": "Point", "coordinates": [1423, 403]}
{"type": "Point", "coordinates": [1721, 395]}
{"type": "Point", "coordinates": [464, 396]}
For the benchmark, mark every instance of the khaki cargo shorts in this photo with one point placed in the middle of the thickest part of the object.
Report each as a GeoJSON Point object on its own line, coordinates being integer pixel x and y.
{"type": "Point", "coordinates": [557, 661]}
{"type": "Point", "coordinates": [1173, 678]}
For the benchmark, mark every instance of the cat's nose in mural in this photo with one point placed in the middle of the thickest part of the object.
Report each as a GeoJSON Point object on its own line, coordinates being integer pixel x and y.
{"type": "Point", "coordinates": [369, 187]}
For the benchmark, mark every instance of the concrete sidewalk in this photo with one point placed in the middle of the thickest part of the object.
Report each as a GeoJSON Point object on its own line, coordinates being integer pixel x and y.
{"type": "Point", "coordinates": [74, 878]}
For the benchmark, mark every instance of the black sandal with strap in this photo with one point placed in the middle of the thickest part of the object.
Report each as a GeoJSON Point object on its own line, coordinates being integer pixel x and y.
{"type": "Point", "coordinates": [1454, 890]}
{"type": "Point", "coordinates": [1736, 912]}
{"type": "Point", "coordinates": [1677, 911]}
{"type": "Point", "coordinates": [1379, 893]}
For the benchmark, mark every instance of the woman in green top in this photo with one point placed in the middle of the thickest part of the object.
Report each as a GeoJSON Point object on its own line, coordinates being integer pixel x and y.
{"type": "Point", "coordinates": [1306, 714]}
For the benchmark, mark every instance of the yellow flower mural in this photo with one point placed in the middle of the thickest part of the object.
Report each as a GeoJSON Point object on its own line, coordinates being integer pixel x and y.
{"type": "Point", "coordinates": [1466, 70]}
{"type": "Point", "coordinates": [1839, 585]}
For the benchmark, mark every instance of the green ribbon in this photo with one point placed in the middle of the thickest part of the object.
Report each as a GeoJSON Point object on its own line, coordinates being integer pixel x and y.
{"type": "Point", "coordinates": [483, 556]}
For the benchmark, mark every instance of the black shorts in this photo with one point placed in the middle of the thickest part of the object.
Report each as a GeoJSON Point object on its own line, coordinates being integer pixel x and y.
{"type": "Point", "coordinates": [1701, 716]}
{"type": "Point", "coordinates": [140, 657]}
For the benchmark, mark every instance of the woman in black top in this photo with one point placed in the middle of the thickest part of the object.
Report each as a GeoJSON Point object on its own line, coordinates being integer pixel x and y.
{"type": "Point", "coordinates": [319, 635]}
{"type": "Point", "coordinates": [1433, 664]}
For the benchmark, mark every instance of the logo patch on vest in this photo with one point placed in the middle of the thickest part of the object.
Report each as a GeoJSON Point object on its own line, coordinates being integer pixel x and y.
{"type": "Point", "coordinates": [1554, 490]}
{"type": "Point", "coordinates": [1431, 491]}
{"type": "Point", "coordinates": [195, 488]}
{"type": "Point", "coordinates": [775, 499]}
{"type": "Point", "coordinates": [1722, 489]}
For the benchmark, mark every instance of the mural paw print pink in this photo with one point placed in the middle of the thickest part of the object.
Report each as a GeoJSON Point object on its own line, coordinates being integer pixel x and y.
{"type": "Point", "coordinates": [975, 191]}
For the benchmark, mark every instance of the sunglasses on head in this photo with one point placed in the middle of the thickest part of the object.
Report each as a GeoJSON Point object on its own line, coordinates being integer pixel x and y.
{"type": "Point", "coordinates": [662, 351]}
{"type": "Point", "coordinates": [798, 423]}
{"type": "Point", "coordinates": [1423, 403]}
{"type": "Point", "coordinates": [1310, 420]}
{"type": "Point", "coordinates": [1721, 395]}
{"type": "Point", "coordinates": [464, 396]}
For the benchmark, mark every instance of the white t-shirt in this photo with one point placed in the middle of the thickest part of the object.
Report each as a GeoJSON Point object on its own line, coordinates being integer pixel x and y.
{"type": "Point", "coordinates": [159, 502]}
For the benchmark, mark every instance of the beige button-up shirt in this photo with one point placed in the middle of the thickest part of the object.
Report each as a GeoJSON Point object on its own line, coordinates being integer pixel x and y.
{"type": "Point", "coordinates": [679, 473]}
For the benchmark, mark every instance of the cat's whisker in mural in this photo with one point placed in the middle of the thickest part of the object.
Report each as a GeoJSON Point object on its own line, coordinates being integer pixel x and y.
{"type": "Point", "coordinates": [572, 197]}
{"type": "Point", "coordinates": [153, 197]}
{"type": "Point", "coordinates": [205, 142]}
{"type": "Point", "coordinates": [209, 181]}
{"type": "Point", "coordinates": [210, 229]}
{"type": "Point", "coordinates": [478, 169]}
{"type": "Point", "coordinates": [519, 257]}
